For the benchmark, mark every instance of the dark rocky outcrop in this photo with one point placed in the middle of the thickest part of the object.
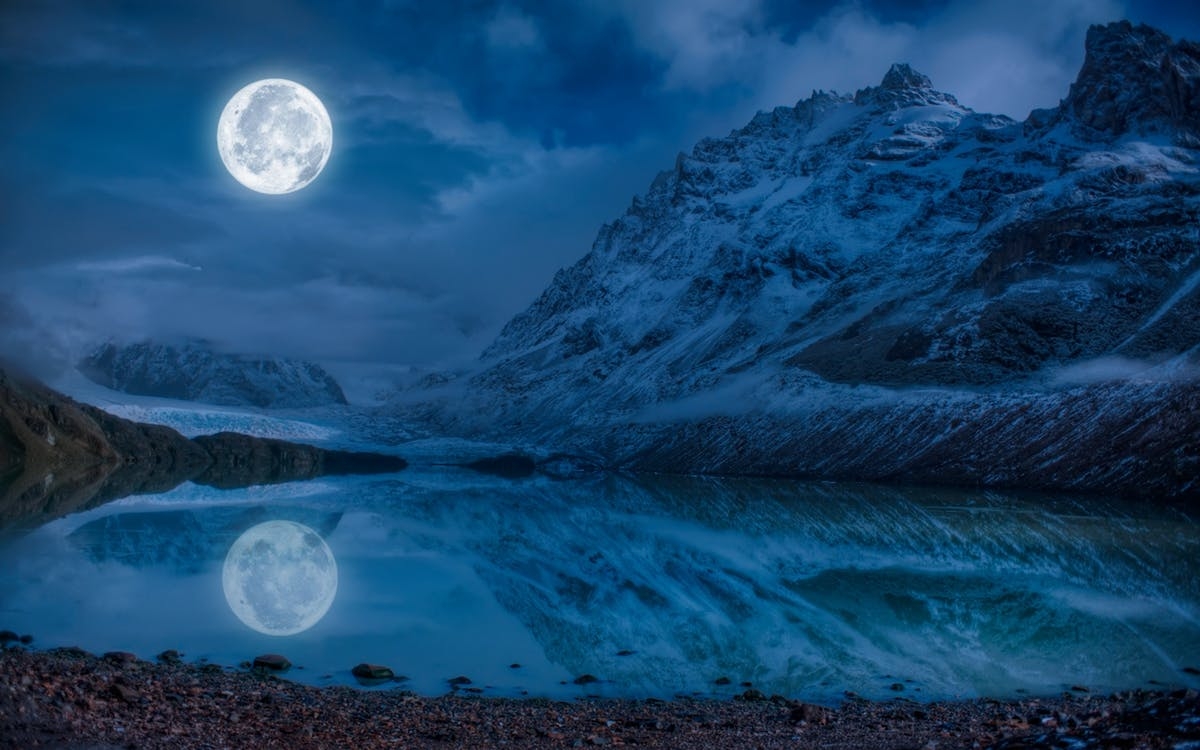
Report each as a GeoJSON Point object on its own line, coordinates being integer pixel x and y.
{"type": "Point", "coordinates": [239, 460]}
{"type": "Point", "coordinates": [509, 466]}
{"type": "Point", "coordinates": [372, 672]}
{"type": "Point", "coordinates": [58, 456]}
{"type": "Point", "coordinates": [1136, 78]}
{"type": "Point", "coordinates": [272, 663]}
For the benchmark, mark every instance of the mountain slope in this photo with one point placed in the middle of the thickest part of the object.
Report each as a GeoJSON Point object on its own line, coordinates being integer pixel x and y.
{"type": "Point", "coordinates": [193, 372]}
{"type": "Point", "coordinates": [892, 263]}
{"type": "Point", "coordinates": [58, 456]}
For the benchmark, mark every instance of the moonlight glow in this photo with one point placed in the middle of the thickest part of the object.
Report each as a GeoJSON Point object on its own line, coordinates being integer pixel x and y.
{"type": "Point", "coordinates": [274, 136]}
{"type": "Point", "coordinates": [280, 578]}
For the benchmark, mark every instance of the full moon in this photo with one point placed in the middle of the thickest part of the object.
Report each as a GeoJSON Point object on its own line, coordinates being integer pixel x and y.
{"type": "Point", "coordinates": [274, 136]}
{"type": "Point", "coordinates": [280, 577]}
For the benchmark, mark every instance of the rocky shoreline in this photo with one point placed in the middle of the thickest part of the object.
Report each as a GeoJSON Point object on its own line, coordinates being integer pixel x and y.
{"type": "Point", "coordinates": [67, 698]}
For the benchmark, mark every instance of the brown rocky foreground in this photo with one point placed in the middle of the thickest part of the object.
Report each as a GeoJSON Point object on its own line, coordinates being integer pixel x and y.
{"type": "Point", "coordinates": [69, 699]}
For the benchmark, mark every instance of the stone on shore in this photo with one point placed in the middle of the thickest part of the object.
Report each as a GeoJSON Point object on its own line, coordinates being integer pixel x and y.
{"type": "Point", "coordinates": [120, 657]}
{"type": "Point", "coordinates": [366, 671]}
{"type": "Point", "coordinates": [272, 662]}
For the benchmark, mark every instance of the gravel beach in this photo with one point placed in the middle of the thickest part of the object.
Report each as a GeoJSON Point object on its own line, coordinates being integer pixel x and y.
{"type": "Point", "coordinates": [65, 698]}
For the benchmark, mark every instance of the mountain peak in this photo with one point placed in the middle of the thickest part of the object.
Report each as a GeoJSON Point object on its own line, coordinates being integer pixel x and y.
{"type": "Point", "coordinates": [1136, 78]}
{"type": "Point", "coordinates": [1122, 39]}
{"type": "Point", "coordinates": [903, 87]}
{"type": "Point", "coordinates": [902, 77]}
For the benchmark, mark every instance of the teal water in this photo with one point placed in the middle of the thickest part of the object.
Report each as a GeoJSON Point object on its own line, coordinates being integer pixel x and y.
{"type": "Point", "coordinates": [803, 589]}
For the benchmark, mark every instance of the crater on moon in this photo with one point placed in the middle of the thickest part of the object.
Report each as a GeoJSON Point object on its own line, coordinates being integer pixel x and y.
{"type": "Point", "coordinates": [274, 136]}
{"type": "Point", "coordinates": [280, 577]}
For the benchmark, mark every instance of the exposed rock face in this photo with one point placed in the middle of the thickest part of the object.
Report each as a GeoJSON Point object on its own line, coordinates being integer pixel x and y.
{"type": "Point", "coordinates": [64, 456]}
{"type": "Point", "coordinates": [818, 265]}
{"type": "Point", "coordinates": [58, 456]}
{"type": "Point", "coordinates": [194, 372]}
{"type": "Point", "coordinates": [1136, 79]}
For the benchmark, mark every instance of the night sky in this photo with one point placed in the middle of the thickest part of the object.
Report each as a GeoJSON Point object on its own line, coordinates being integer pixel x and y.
{"type": "Point", "coordinates": [478, 146]}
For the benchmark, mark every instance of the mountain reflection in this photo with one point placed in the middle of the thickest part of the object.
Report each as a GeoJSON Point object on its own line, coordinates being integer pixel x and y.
{"type": "Point", "coordinates": [799, 588]}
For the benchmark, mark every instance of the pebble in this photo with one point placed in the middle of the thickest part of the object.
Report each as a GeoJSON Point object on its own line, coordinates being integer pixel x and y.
{"type": "Point", "coordinates": [58, 699]}
{"type": "Point", "coordinates": [808, 713]}
{"type": "Point", "coordinates": [120, 657]}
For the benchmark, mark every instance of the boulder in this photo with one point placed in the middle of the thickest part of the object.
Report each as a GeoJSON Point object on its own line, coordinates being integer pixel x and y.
{"type": "Point", "coordinates": [366, 671]}
{"type": "Point", "coordinates": [271, 662]}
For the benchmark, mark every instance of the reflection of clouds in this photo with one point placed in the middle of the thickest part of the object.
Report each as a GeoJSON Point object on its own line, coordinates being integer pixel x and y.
{"type": "Point", "coordinates": [280, 578]}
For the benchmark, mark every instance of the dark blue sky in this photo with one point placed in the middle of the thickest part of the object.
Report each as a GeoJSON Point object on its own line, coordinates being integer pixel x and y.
{"type": "Point", "coordinates": [478, 146]}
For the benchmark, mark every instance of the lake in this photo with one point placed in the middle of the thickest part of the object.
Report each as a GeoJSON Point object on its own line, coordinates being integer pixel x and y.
{"type": "Point", "coordinates": [655, 585]}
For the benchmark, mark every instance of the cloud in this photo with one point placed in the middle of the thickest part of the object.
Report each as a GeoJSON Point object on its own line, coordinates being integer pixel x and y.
{"type": "Point", "coordinates": [703, 41]}
{"type": "Point", "coordinates": [510, 29]}
{"type": "Point", "coordinates": [1002, 56]}
{"type": "Point", "coordinates": [30, 341]}
{"type": "Point", "coordinates": [478, 148]}
{"type": "Point", "coordinates": [150, 34]}
{"type": "Point", "coordinates": [135, 265]}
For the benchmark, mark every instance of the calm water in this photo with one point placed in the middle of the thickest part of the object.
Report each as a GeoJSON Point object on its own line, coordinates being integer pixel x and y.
{"type": "Point", "coordinates": [803, 589]}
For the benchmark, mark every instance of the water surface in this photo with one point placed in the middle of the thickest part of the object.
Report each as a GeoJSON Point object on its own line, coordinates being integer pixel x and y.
{"type": "Point", "coordinates": [803, 589]}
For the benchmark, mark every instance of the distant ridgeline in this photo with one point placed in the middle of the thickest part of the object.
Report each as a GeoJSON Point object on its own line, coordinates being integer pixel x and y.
{"type": "Point", "coordinates": [890, 286]}
{"type": "Point", "coordinates": [194, 372]}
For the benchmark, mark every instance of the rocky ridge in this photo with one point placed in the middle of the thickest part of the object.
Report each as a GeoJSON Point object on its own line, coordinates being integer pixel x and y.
{"type": "Point", "coordinates": [889, 285]}
{"type": "Point", "coordinates": [58, 456]}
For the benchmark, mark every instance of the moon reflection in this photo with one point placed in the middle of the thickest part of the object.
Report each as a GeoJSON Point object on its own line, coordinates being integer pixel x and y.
{"type": "Point", "coordinates": [280, 577]}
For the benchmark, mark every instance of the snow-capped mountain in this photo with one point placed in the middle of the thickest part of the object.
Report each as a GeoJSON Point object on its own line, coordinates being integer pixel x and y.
{"type": "Point", "coordinates": [891, 285]}
{"type": "Point", "coordinates": [194, 372]}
